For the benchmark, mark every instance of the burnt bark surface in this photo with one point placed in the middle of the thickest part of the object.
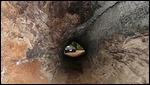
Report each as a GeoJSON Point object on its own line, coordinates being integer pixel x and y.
{"type": "Point", "coordinates": [112, 25]}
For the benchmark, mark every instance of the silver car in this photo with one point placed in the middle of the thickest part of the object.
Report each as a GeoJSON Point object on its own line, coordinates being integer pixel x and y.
{"type": "Point", "coordinates": [70, 48]}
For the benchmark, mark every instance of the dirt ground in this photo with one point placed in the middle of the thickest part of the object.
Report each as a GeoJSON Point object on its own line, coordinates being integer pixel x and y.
{"type": "Point", "coordinates": [75, 54]}
{"type": "Point", "coordinates": [14, 72]}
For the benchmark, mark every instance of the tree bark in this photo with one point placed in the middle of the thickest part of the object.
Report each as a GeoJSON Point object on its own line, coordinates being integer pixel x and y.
{"type": "Point", "coordinates": [107, 38]}
{"type": "Point", "coordinates": [113, 34]}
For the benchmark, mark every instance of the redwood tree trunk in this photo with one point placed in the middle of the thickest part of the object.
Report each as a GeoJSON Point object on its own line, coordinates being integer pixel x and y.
{"type": "Point", "coordinates": [113, 34]}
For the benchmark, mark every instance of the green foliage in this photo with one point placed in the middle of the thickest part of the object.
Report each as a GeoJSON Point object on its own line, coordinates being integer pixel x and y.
{"type": "Point", "coordinates": [77, 46]}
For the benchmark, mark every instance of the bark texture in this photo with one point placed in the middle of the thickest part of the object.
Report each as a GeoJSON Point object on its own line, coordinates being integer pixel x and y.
{"type": "Point", "coordinates": [113, 33]}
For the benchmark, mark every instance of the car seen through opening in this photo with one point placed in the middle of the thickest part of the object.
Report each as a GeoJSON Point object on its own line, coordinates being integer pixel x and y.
{"type": "Point", "coordinates": [74, 50]}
